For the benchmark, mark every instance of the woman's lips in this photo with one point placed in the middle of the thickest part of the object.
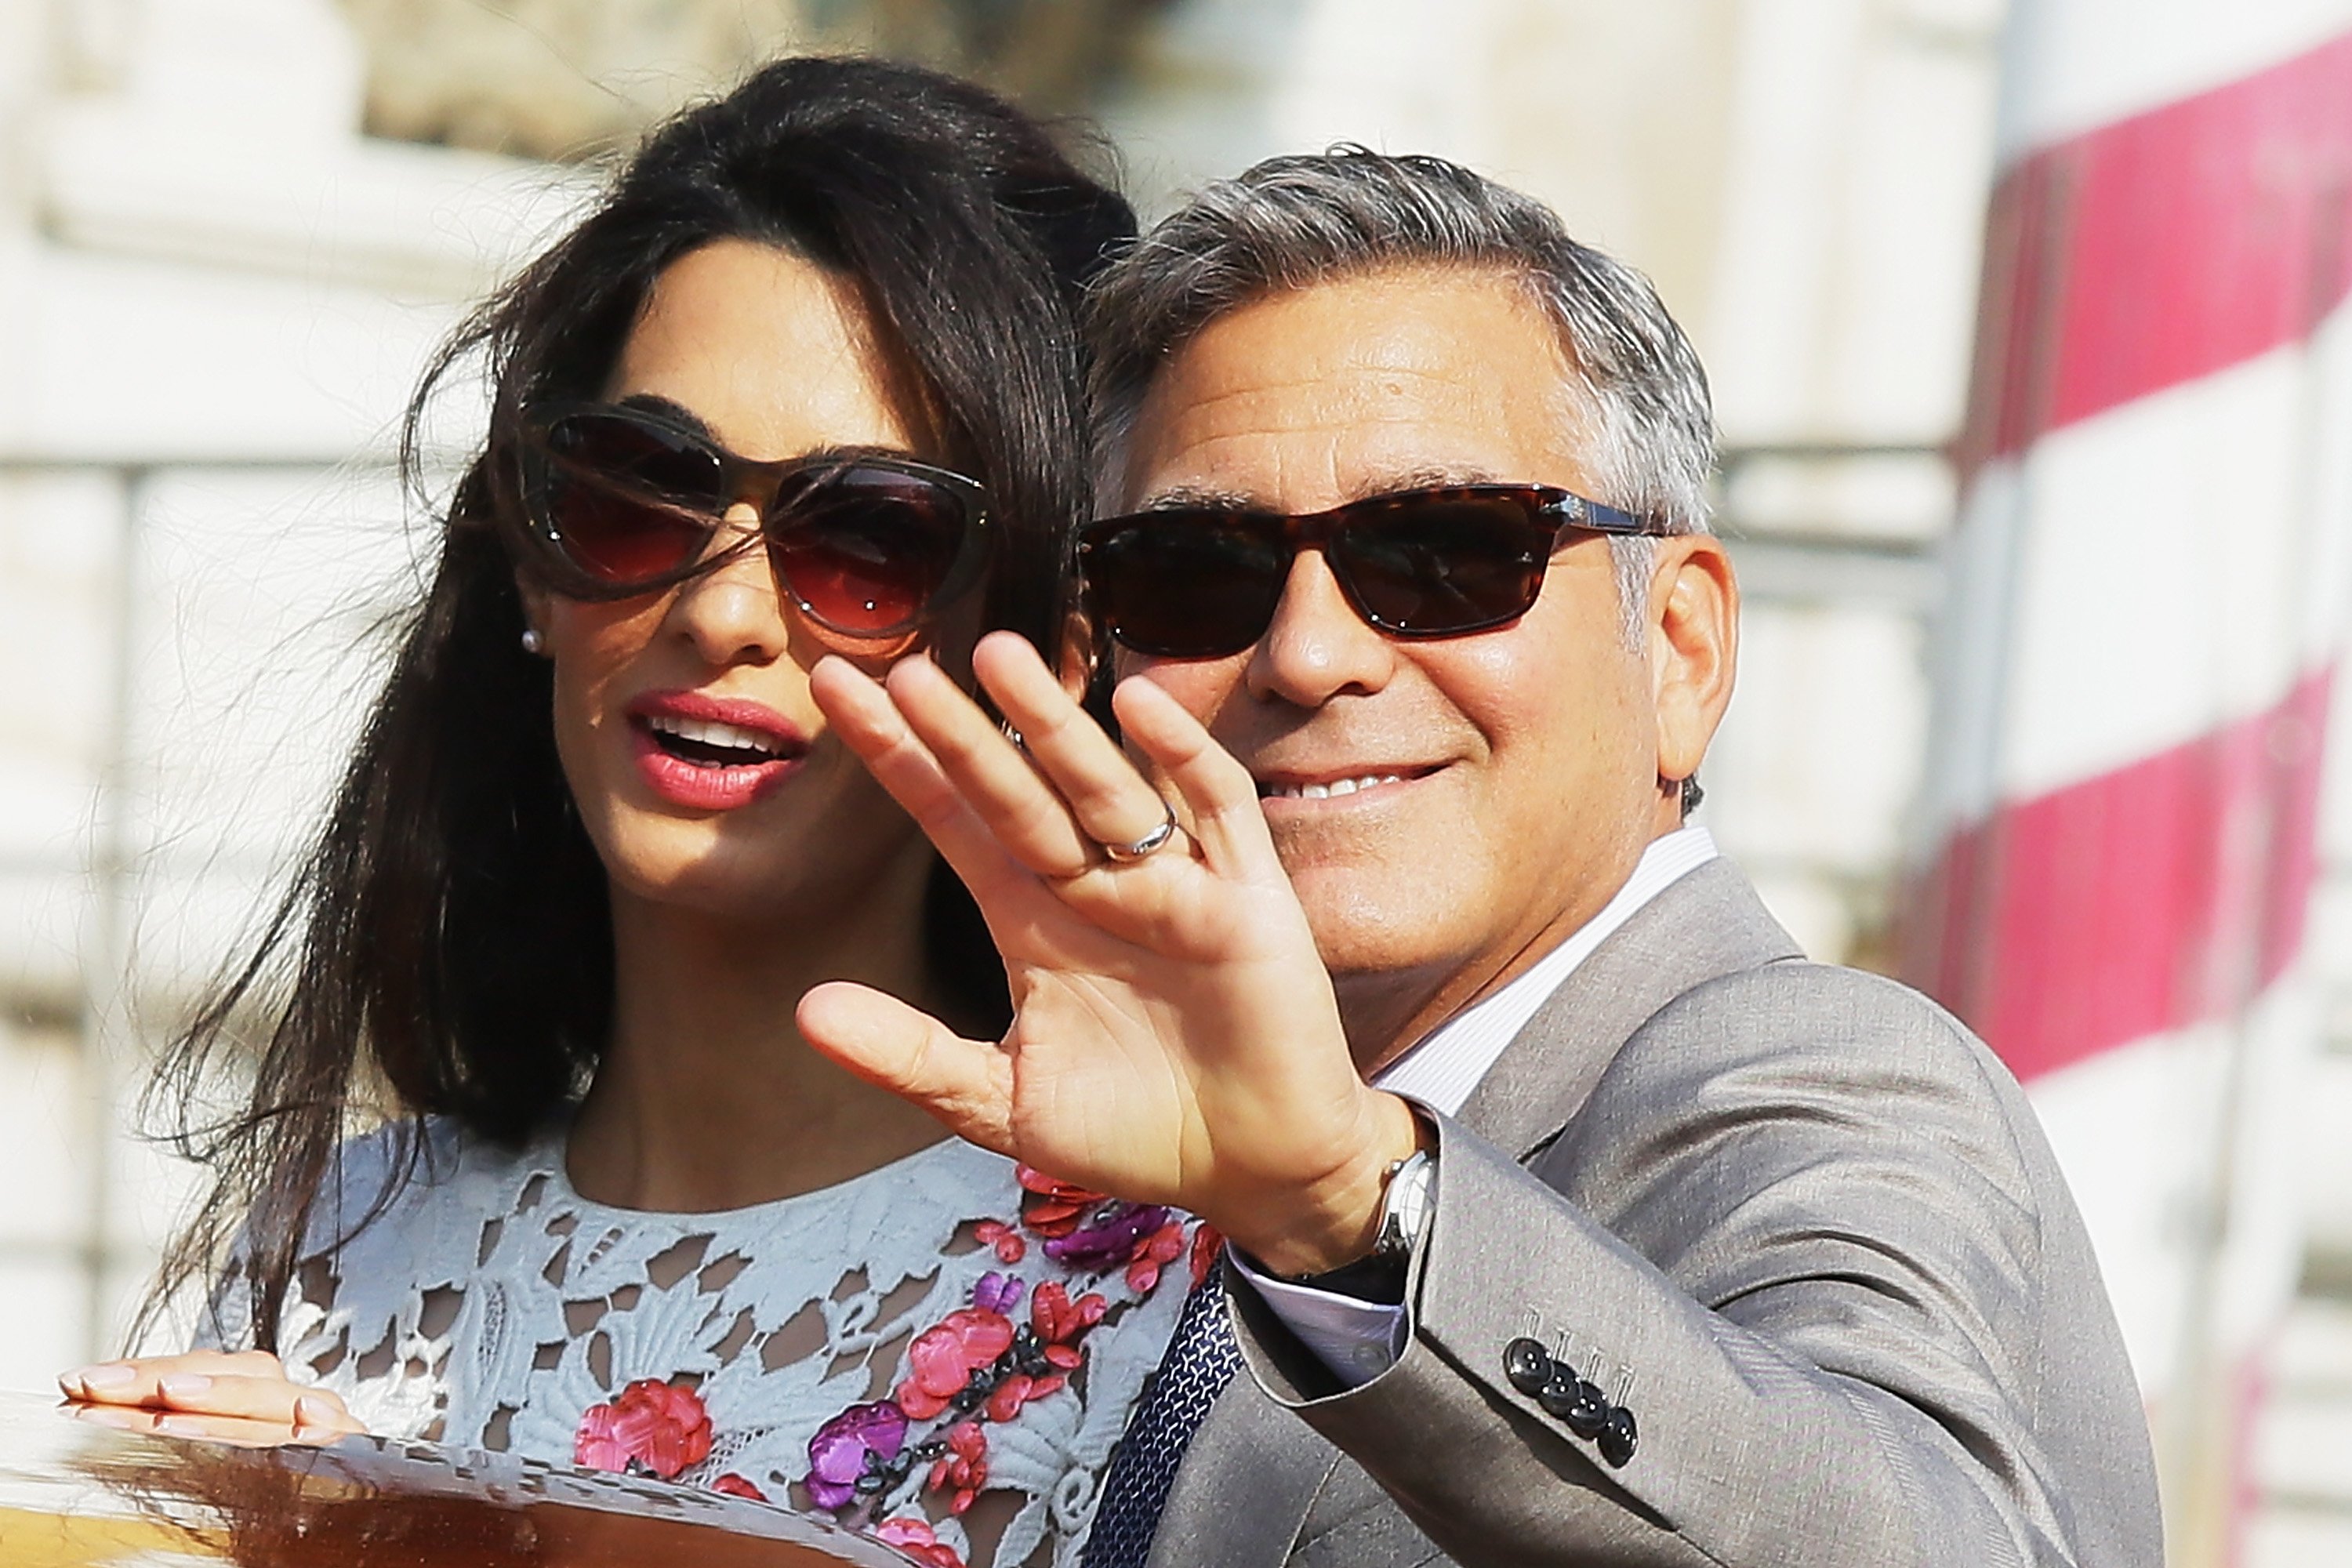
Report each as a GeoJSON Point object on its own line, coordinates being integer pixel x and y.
{"type": "Point", "coordinates": [711, 753]}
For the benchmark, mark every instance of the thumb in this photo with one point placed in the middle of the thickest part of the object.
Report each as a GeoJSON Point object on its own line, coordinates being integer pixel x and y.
{"type": "Point", "coordinates": [966, 1084]}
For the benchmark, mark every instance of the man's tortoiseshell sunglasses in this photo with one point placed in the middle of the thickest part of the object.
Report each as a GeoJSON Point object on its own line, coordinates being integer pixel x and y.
{"type": "Point", "coordinates": [1202, 581]}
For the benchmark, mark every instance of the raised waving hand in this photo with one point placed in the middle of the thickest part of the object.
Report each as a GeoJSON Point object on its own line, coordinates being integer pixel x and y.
{"type": "Point", "coordinates": [1175, 1038]}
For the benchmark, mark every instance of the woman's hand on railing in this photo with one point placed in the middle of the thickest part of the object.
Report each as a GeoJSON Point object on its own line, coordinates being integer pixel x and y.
{"type": "Point", "coordinates": [208, 1393]}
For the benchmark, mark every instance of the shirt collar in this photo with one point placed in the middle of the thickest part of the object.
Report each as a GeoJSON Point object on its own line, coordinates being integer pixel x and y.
{"type": "Point", "coordinates": [1447, 1064]}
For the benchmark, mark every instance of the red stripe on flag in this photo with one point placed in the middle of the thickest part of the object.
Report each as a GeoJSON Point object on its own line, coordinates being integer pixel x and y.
{"type": "Point", "coordinates": [2162, 249]}
{"type": "Point", "coordinates": [2162, 894]}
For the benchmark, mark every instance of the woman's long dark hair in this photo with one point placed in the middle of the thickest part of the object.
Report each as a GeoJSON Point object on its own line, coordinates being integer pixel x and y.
{"type": "Point", "coordinates": [447, 947]}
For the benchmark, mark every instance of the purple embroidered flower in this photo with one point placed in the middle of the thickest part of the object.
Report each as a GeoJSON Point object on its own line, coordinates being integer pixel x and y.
{"type": "Point", "coordinates": [837, 1454]}
{"type": "Point", "coordinates": [997, 1293]}
{"type": "Point", "coordinates": [1107, 1241]}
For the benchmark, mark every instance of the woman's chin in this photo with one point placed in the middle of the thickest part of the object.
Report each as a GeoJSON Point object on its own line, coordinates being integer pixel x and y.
{"type": "Point", "coordinates": [735, 887]}
{"type": "Point", "coordinates": [741, 866]}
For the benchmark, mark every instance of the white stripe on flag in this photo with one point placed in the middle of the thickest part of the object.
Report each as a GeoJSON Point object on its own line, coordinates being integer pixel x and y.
{"type": "Point", "coordinates": [2070, 65]}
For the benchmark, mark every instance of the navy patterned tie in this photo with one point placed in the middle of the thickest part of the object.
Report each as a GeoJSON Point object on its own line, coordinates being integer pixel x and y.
{"type": "Point", "coordinates": [1200, 1359]}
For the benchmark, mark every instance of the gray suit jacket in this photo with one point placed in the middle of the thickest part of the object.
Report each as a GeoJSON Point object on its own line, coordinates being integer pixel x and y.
{"type": "Point", "coordinates": [1803, 1219]}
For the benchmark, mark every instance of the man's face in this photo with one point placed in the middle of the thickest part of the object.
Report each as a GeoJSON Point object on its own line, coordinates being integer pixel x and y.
{"type": "Point", "coordinates": [1447, 809]}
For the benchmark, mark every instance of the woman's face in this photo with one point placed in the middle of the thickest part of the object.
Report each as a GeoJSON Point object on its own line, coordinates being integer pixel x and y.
{"type": "Point", "coordinates": [702, 769]}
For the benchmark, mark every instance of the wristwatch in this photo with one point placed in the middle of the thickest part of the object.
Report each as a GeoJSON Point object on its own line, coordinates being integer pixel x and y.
{"type": "Point", "coordinates": [1407, 1201]}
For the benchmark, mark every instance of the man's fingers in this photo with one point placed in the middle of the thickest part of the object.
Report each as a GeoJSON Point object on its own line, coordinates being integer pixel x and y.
{"type": "Point", "coordinates": [1112, 801]}
{"type": "Point", "coordinates": [1217, 791]}
{"type": "Point", "coordinates": [1021, 809]}
{"type": "Point", "coordinates": [869, 723]}
{"type": "Point", "coordinates": [966, 1084]}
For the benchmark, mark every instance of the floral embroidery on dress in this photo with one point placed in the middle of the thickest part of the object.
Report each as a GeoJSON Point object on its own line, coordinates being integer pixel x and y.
{"type": "Point", "coordinates": [660, 1428]}
{"type": "Point", "coordinates": [946, 1330]}
{"type": "Point", "coordinates": [977, 1365]}
{"type": "Point", "coordinates": [915, 1539]}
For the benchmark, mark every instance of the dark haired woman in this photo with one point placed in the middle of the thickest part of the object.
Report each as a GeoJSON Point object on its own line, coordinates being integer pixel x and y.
{"type": "Point", "coordinates": [806, 383]}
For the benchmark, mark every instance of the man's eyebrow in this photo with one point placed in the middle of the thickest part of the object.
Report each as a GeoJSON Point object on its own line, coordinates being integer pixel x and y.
{"type": "Point", "coordinates": [1391, 481]}
{"type": "Point", "coordinates": [1186, 498]}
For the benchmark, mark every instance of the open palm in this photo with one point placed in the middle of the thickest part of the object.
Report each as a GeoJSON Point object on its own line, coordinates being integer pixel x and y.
{"type": "Point", "coordinates": [1175, 1038]}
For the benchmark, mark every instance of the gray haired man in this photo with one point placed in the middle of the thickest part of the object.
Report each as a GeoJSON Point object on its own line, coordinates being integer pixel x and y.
{"type": "Point", "coordinates": [1575, 1218]}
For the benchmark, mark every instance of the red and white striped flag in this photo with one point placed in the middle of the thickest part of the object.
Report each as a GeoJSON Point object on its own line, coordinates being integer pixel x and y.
{"type": "Point", "coordinates": [2148, 594]}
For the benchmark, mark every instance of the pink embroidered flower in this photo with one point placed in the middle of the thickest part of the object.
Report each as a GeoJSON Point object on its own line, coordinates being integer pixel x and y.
{"type": "Point", "coordinates": [1153, 1254]}
{"type": "Point", "coordinates": [838, 1454]}
{"type": "Point", "coordinates": [1010, 1397]}
{"type": "Point", "coordinates": [963, 1469]}
{"type": "Point", "coordinates": [734, 1485]}
{"type": "Point", "coordinates": [1205, 1243]}
{"type": "Point", "coordinates": [942, 1359]}
{"type": "Point", "coordinates": [1010, 1246]}
{"type": "Point", "coordinates": [1051, 1207]}
{"type": "Point", "coordinates": [661, 1426]}
{"type": "Point", "coordinates": [914, 1538]}
{"type": "Point", "coordinates": [1059, 1322]}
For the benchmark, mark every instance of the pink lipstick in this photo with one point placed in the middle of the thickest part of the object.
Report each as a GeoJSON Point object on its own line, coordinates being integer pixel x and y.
{"type": "Point", "coordinates": [711, 753]}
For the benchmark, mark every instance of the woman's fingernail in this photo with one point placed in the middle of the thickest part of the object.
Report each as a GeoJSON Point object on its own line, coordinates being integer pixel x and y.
{"type": "Point", "coordinates": [182, 1426]}
{"type": "Point", "coordinates": [186, 1385]}
{"type": "Point", "coordinates": [105, 1374]}
{"type": "Point", "coordinates": [114, 1415]}
{"type": "Point", "coordinates": [312, 1411]}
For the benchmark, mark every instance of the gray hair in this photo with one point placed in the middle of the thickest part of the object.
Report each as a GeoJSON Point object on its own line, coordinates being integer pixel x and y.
{"type": "Point", "coordinates": [1636, 400]}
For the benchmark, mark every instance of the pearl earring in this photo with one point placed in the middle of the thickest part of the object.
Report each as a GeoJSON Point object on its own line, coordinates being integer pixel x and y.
{"type": "Point", "coordinates": [532, 641]}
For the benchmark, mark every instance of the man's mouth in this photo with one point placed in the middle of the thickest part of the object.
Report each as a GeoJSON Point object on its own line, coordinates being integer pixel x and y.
{"type": "Point", "coordinates": [710, 743]}
{"type": "Point", "coordinates": [1332, 788]}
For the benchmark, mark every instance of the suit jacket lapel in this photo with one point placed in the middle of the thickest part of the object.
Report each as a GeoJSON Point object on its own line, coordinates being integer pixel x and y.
{"type": "Point", "coordinates": [1706, 924]}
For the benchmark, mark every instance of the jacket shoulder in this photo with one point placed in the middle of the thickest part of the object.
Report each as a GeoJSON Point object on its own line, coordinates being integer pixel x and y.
{"type": "Point", "coordinates": [1854, 1029]}
{"type": "Point", "coordinates": [1793, 1093]}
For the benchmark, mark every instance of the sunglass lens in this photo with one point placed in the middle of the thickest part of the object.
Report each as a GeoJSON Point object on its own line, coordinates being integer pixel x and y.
{"type": "Point", "coordinates": [1187, 585]}
{"type": "Point", "coordinates": [1433, 567]}
{"type": "Point", "coordinates": [624, 501]}
{"type": "Point", "coordinates": [867, 550]}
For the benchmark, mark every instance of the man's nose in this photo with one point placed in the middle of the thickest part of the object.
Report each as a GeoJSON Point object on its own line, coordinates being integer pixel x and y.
{"type": "Point", "coordinates": [733, 614]}
{"type": "Point", "coordinates": [1317, 648]}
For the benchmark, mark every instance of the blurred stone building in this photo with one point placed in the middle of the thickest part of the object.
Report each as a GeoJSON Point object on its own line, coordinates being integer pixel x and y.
{"type": "Point", "coordinates": [231, 230]}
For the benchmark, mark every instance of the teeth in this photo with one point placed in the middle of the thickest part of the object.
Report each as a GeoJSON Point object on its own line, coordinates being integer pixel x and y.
{"type": "Point", "coordinates": [709, 732]}
{"type": "Point", "coordinates": [1325, 791]}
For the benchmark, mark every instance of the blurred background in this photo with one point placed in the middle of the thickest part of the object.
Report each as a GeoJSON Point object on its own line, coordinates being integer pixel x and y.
{"type": "Point", "coordinates": [2027, 330]}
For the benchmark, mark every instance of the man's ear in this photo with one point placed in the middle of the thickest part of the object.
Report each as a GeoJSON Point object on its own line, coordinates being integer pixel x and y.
{"type": "Point", "coordinates": [1078, 651]}
{"type": "Point", "coordinates": [1087, 666]}
{"type": "Point", "coordinates": [1694, 648]}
